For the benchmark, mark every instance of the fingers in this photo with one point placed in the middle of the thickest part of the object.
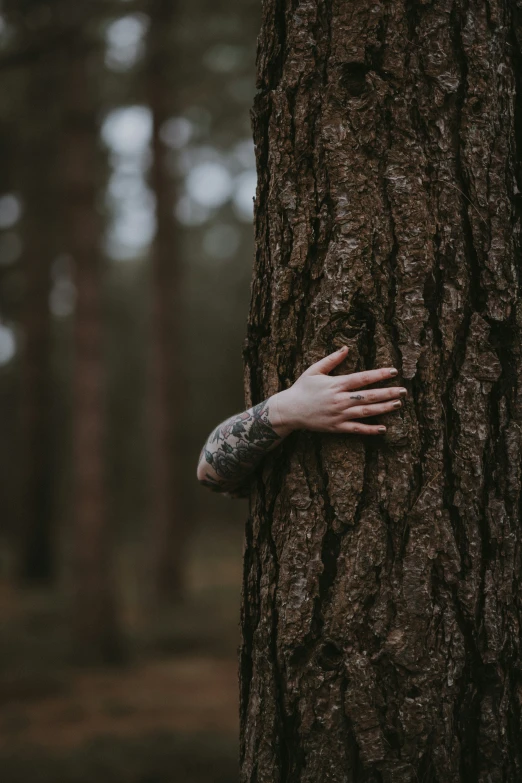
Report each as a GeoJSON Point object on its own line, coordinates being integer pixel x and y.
{"type": "Point", "coordinates": [357, 397]}
{"type": "Point", "coordinates": [361, 411]}
{"type": "Point", "coordinates": [329, 363]}
{"type": "Point", "coordinates": [357, 428]}
{"type": "Point", "coordinates": [358, 379]}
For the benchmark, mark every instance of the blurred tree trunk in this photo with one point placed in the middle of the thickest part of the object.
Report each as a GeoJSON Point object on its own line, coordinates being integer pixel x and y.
{"type": "Point", "coordinates": [95, 623]}
{"type": "Point", "coordinates": [382, 597]}
{"type": "Point", "coordinates": [167, 531]}
{"type": "Point", "coordinates": [38, 176]}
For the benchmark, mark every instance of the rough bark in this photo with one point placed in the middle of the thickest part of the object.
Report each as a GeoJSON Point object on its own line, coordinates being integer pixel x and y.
{"type": "Point", "coordinates": [167, 532]}
{"type": "Point", "coordinates": [381, 599]}
{"type": "Point", "coordinates": [95, 627]}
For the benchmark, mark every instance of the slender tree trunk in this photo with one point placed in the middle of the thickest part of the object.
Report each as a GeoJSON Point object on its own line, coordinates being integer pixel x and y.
{"type": "Point", "coordinates": [167, 531]}
{"type": "Point", "coordinates": [382, 598]}
{"type": "Point", "coordinates": [95, 624]}
{"type": "Point", "coordinates": [39, 180]}
{"type": "Point", "coordinates": [35, 561]}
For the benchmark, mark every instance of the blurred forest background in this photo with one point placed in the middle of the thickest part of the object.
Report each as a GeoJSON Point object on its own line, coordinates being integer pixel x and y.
{"type": "Point", "coordinates": [126, 247]}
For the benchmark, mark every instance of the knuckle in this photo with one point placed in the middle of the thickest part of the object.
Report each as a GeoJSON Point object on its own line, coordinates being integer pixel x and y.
{"type": "Point", "coordinates": [366, 410]}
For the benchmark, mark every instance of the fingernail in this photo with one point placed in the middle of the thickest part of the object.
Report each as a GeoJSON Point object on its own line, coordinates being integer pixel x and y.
{"type": "Point", "coordinates": [342, 349]}
{"type": "Point", "coordinates": [394, 372]}
{"type": "Point", "coordinates": [382, 430]}
{"type": "Point", "coordinates": [397, 404]}
{"type": "Point", "coordinates": [403, 392]}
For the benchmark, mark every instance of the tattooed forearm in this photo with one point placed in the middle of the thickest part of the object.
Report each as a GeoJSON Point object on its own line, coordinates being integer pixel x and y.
{"type": "Point", "coordinates": [235, 448]}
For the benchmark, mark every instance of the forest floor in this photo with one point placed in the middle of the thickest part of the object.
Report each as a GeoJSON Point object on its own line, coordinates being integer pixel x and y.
{"type": "Point", "coordinates": [170, 715]}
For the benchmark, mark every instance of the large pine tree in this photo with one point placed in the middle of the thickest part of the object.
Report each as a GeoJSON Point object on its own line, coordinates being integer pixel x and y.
{"type": "Point", "coordinates": [382, 597]}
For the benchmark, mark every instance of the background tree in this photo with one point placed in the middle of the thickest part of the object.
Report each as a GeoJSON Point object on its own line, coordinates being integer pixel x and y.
{"type": "Point", "coordinates": [381, 608]}
{"type": "Point", "coordinates": [38, 176]}
{"type": "Point", "coordinates": [95, 625]}
{"type": "Point", "coordinates": [166, 384]}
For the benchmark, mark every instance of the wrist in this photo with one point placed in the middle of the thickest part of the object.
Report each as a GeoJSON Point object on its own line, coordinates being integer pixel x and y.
{"type": "Point", "coordinates": [283, 417]}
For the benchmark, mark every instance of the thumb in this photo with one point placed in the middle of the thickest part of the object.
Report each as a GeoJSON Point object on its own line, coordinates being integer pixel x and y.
{"type": "Point", "coordinates": [326, 365]}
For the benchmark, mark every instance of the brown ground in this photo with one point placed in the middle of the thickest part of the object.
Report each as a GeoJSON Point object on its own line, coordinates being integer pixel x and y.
{"type": "Point", "coordinates": [170, 715]}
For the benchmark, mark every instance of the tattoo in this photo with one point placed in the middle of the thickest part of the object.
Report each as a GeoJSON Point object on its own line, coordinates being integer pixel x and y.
{"type": "Point", "coordinates": [236, 446]}
{"type": "Point", "coordinates": [357, 396]}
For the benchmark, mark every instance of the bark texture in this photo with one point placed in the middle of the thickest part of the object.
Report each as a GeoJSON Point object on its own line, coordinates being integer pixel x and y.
{"type": "Point", "coordinates": [382, 597]}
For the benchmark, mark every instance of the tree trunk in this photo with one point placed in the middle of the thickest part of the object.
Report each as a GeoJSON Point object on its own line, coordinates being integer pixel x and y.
{"type": "Point", "coordinates": [381, 599]}
{"type": "Point", "coordinates": [95, 627]}
{"type": "Point", "coordinates": [167, 531]}
{"type": "Point", "coordinates": [38, 176]}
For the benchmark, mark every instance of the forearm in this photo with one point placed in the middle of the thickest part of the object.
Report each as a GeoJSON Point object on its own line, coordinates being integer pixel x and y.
{"type": "Point", "coordinates": [317, 401]}
{"type": "Point", "coordinates": [236, 447]}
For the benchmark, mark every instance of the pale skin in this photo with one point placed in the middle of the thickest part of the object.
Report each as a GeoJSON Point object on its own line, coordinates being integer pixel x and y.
{"type": "Point", "coordinates": [317, 401]}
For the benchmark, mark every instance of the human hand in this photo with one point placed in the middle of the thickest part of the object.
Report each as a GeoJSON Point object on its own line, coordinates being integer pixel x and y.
{"type": "Point", "coordinates": [325, 403]}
